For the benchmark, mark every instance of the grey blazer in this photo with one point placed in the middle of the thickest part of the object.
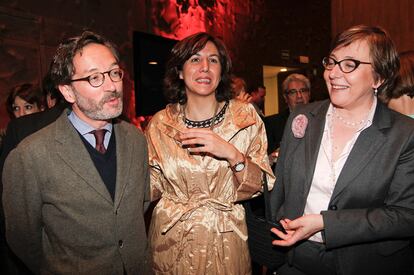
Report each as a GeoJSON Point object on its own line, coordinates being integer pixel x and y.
{"type": "Point", "coordinates": [371, 213]}
{"type": "Point", "coordinates": [60, 218]}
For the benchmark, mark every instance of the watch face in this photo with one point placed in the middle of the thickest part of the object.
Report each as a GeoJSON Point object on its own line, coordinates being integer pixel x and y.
{"type": "Point", "coordinates": [239, 166]}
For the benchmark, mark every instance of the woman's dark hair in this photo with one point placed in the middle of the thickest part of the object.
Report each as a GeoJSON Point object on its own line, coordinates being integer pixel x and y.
{"type": "Point", "coordinates": [384, 56]}
{"type": "Point", "coordinates": [405, 79]}
{"type": "Point", "coordinates": [174, 87]}
{"type": "Point", "coordinates": [62, 69]}
{"type": "Point", "coordinates": [28, 92]}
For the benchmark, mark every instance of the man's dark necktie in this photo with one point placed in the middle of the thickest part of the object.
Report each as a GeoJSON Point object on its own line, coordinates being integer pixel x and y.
{"type": "Point", "coordinates": [99, 137]}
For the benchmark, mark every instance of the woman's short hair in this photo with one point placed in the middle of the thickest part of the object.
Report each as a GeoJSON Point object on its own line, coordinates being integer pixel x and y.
{"type": "Point", "coordinates": [174, 87]}
{"type": "Point", "coordinates": [297, 78]}
{"type": "Point", "coordinates": [28, 92]}
{"type": "Point", "coordinates": [405, 79]}
{"type": "Point", "coordinates": [61, 68]}
{"type": "Point", "coordinates": [384, 56]}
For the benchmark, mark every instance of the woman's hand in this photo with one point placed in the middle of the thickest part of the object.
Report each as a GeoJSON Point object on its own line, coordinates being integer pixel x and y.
{"type": "Point", "coordinates": [298, 229]}
{"type": "Point", "coordinates": [206, 141]}
{"type": "Point", "coordinates": [245, 97]}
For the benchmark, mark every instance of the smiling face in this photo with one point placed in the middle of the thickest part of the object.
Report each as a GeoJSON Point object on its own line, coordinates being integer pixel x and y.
{"type": "Point", "coordinates": [94, 105]}
{"type": "Point", "coordinates": [201, 72]}
{"type": "Point", "coordinates": [355, 89]}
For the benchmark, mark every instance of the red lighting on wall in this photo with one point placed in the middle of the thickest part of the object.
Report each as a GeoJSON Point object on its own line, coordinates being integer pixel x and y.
{"type": "Point", "coordinates": [177, 19]}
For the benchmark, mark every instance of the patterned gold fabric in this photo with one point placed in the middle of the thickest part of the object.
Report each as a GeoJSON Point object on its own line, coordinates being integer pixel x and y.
{"type": "Point", "coordinates": [198, 226]}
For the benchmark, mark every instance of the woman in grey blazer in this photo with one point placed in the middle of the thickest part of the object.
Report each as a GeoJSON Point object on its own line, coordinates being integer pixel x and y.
{"type": "Point", "coordinates": [345, 176]}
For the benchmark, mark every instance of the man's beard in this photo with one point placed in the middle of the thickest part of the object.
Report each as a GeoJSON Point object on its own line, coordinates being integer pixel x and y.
{"type": "Point", "coordinates": [95, 110]}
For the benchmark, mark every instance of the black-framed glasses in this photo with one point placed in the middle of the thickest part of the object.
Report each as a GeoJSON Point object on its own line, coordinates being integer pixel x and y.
{"type": "Point", "coordinates": [294, 92]}
{"type": "Point", "coordinates": [347, 65]}
{"type": "Point", "coordinates": [97, 79]}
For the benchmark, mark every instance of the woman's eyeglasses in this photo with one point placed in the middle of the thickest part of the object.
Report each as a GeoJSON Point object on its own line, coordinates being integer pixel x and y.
{"type": "Point", "coordinates": [347, 65]}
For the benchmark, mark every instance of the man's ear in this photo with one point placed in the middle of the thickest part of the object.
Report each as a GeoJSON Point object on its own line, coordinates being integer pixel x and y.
{"type": "Point", "coordinates": [67, 92]}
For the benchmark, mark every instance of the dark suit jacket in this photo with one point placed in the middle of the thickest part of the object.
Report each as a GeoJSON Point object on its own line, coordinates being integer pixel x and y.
{"type": "Point", "coordinates": [371, 213]}
{"type": "Point", "coordinates": [275, 124]}
{"type": "Point", "coordinates": [60, 217]}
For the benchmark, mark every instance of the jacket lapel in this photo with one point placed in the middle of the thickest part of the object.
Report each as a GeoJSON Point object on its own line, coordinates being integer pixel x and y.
{"type": "Point", "coordinates": [71, 149]}
{"type": "Point", "coordinates": [313, 141]}
{"type": "Point", "coordinates": [124, 153]}
{"type": "Point", "coordinates": [365, 148]}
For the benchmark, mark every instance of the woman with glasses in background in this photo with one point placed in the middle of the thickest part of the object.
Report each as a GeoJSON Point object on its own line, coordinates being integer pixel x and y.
{"type": "Point", "coordinates": [401, 99]}
{"type": "Point", "coordinates": [345, 176]}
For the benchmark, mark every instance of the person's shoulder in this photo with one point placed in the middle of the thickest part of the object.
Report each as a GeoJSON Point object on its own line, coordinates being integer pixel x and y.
{"type": "Point", "coordinates": [128, 129]}
{"type": "Point", "coordinates": [29, 124]}
{"type": "Point", "coordinates": [170, 110]}
{"type": "Point", "coordinates": [38, 140]}
{"type": "Point", "coordinates": [239, 106]}
{"type": "Point", "coordinates": [168, 115]}
{"type": "Point", "coordinates": [404, 122]}
{"type": "Point", "coordinates": [312, 107]}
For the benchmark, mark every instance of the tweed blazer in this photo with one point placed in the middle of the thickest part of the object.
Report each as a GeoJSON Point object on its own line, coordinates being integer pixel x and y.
{"type": "Point", "coordinates": [61, 219]}
{"type": "Point", "coordinates": [370, 216]}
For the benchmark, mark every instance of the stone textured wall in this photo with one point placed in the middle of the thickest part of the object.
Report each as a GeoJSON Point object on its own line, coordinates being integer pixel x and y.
{"type": "Point", "coordinates": [255, 32]}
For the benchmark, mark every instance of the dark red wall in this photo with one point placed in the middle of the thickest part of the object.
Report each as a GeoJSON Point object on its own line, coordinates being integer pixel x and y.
{"type": "Point", "coordinates": [255, 31]}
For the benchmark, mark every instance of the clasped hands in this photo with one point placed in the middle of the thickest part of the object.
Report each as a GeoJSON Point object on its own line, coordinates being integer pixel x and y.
{"type": "Point", "coordinates": [298, 229]}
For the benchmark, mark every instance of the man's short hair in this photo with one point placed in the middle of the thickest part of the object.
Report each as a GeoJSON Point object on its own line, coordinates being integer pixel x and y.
{"type": "Point", "coordinates": [62, 68]}
{"type": "Point", "coordinates": [295, 77]}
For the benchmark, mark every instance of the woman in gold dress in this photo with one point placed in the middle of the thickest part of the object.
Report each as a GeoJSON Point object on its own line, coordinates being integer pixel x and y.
{"type": "Point", "coordinates": [207, 153]}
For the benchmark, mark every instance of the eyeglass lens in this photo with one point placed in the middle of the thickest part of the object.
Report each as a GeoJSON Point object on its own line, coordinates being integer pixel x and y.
{"type": "Point", "coordinates": [98, 79]}
{"type": "Point", "coordinates": [346, 65]}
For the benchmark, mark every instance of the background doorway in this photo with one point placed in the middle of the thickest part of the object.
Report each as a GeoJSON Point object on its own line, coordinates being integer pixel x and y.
{"type": "Point", "coordinates": [273, 77]}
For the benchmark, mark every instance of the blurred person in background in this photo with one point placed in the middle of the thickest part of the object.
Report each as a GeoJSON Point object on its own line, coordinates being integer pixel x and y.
{"type": "Point", "coordinates": [239, 89]}
{"type": "Point", "coordinates": [257, 100]}
{"type": "Point", "coordinates": [296, 91]}
{"type": "Point", "coordinates": [25, 99]}
{"type": "Point", "coordinates": [401, 99]}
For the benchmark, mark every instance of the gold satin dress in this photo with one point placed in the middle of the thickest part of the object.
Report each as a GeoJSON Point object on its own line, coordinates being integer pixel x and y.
{"type": "Point", "coordinates": [198, 226]}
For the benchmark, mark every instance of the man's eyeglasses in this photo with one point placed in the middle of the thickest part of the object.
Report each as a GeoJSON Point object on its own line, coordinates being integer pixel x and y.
{"type": "Point", "coordinates": [345, 65]}
{"type": "Point", "coordinates": [294, 92]}
{"type": "Point", "coordinates": [97, 79]}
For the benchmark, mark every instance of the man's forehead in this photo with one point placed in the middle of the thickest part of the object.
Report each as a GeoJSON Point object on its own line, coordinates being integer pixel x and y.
{"type": "Point", "coordinates": [296, 82]}
{"type": "Point", "coordinates": [93, 56]}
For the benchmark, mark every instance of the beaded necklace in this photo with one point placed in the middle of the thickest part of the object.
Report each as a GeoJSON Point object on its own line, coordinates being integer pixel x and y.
{"type": "Point", "coordinates": [347, 123]}
{"type": "Point", "coordinates": [208, 123]}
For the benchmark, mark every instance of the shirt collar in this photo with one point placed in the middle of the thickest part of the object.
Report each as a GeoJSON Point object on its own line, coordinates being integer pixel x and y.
{"type": "Point", "coordinates": [84, 128]}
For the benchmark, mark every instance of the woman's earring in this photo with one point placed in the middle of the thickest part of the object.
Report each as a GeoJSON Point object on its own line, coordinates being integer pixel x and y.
{"type": "Point", "coordinates": [375, 91]}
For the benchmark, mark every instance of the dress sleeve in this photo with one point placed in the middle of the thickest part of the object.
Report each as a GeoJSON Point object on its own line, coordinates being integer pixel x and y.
{"type": "Point", "coordinates": [157, 177]}
{"type": "Point", "coordinates": [257, 162]}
